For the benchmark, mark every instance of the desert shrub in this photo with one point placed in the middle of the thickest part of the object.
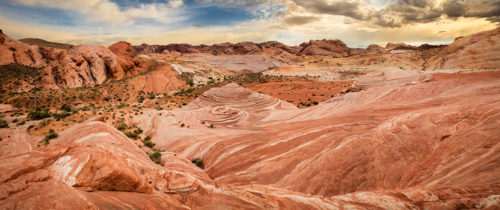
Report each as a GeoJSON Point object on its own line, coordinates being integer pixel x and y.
{"type": "Point", "coordinates": [138, 131]}
{"type": "Point", "coordinates": [4, 124]}
{"type": "Point", "coordinates": [122, 126]}
{"type": "Point", "coordinates": [182, 125]}
{"type": "Point", "coordinates": [62, 115]}
{"type": "Point", "coordinates": [121, 105]}
{"type": "Point", "coordinates": [149, 144]}
{"type": "Point", "coordinates": [198, 162]}
{"type": "Point", "coordinates": [85, 108]}
{"type": "Point", "coordinates": [147, 138]}
{"type": "Point", "coordinates": [132, 135]}
{"type": "Point", "coordinates": [52, 135]}
{"type": "Point", "coordinates": [190, 82]}
{"type": "Point", "coordinates": [65, 108]}
{"type": "Point", "coordinates": [156, 157]}
{"type": "Point", "coordinates": [140, 99]}
{"type": "Point", "coordinates": [39, 114]}
{"type": "Point", "coordinates": [151, 96]}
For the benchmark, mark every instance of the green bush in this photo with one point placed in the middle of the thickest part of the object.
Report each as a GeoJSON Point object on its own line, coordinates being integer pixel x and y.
{"type": "Point", "coordinates": [60, 116]}
{"type": "Point", "coordinates": [198, 162]}
{"type": "Point", "coordinates": [66, 108]}
{"type": "Point", "coordinates": [4, 124]}
{"type": "Point", "coordinates": [39, 114]}
{"type": "Point", "coordinates": [138, 131]}
{"type": "Point", "coordinates": [85, 108]}
{"type": "Point", "coordinates": [149, 144]}
{"type": "Point", "coordinates": [121, 105]}
{"type": "Point", "coordinates": [156, 157]}
{"type": "Point", "coordinates": [140, 99]}
{"type": "Point", "coordinates": [52, 135]}
{"type": "Point", "coordinates": [147, 138]}
{"type": "Point", "coordinates": [132, 135]}
{"type": "Point", "coordinates": [122, 126]}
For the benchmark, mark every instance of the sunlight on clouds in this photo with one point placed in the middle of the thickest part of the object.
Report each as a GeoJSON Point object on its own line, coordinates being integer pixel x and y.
{"type": "Point", "coordinates": [289, 21]}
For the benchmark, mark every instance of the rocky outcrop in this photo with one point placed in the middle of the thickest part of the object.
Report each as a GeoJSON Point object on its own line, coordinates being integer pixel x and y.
{"type": "Point", "coordinates": [335, 48]}
{"type": "Point", "coordinates": [81, 65]}
{"type": "Point", "coordinates": [401, 46]}
{"type": "Point", "coordinates": [374, 47]}
{"type": "Point", "coordinates": [13, 51]}
{"type": "Point", "coordinates": [122, 48]}
{"type": "Point", "coordinates": [477, 51]}
{"type": "Point", "coordinates": [319, 47]}
{"type": "Point", "coordinates": [84, 65]}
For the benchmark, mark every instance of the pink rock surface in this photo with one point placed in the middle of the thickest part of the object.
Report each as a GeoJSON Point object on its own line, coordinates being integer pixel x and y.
{"type": "Point", "coordinates": [94, 166]}
{"type": "Point", "coordinates": [477, 51]}
{"type": "Point", "coordinates": [82, 65]}
{"type": "Point", "coordinates": [412, 132]}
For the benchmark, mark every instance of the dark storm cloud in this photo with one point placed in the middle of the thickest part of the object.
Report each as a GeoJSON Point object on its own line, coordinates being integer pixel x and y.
{"type": "Point", "coordinates": [472, 8]}
{"type": "Point", "coordinates": [406, 12]}
{"type": "Point", "coordinates": [402, 12]}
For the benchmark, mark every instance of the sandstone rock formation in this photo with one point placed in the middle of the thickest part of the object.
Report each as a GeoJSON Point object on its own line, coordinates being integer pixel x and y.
{"type": "Point", "coordinates": [318, 47]}
{"type": "Point", "coordinates": [93, 165]}
{"type": "Point", "coordinates": [336, 48]}
{"type": "Point", "coordinates": [13, 51]}
{"type": "Point", "coordinates": [390, 136]}
{"type": "Point", "coordinates": [81, 65]}
{"type": "Point", "coordinates": [477, 51]}
{"type": "Point", "coordinates": [374, 47]}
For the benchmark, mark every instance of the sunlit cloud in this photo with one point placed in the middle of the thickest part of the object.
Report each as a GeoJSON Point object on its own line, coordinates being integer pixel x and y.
{"type": "Point", "coordinates": [356, 22]}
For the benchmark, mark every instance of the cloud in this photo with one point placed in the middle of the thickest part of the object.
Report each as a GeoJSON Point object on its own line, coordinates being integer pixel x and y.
{"type": "Point", "coordinates": [402, 12]}
{"type": "Point", "coordinates": [300, 20]}
{"type": "Point", "coordinates": [109, 12]}
{"type": "Point", "coordinates": [344, 8]}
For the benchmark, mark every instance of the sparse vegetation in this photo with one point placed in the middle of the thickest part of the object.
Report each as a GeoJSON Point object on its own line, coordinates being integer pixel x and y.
{"type": "Point", "coordinates": [121, 105]}
{"type": "Point", "coordinates": [4, 124]}
{"type": "Point", "coordinates": [198, 162]}
{"type": "Point", "coordinates": [132, 135]}
{"type": "Point", "coordinates": [156, 156]}
{"type": "Point", "coordinates": [39, 114]}
{"type": "Point", "coordinates": [122, 126]}
{"type": "Point", "coordinates": [52, 135]}
{"type": "Point", "coordinates": [62, 115]}
{"type": "Point", "coordinates": [149, 144]}
{"type": "Point", "coordinates": [45, 43]}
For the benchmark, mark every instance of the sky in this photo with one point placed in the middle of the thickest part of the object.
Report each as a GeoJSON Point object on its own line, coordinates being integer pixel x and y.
{"type": "Point", "coordinates": [356, 22]}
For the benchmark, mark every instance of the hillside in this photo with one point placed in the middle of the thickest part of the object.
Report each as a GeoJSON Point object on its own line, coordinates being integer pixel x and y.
{"type": "Point", "coordinates": [45, 43]}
